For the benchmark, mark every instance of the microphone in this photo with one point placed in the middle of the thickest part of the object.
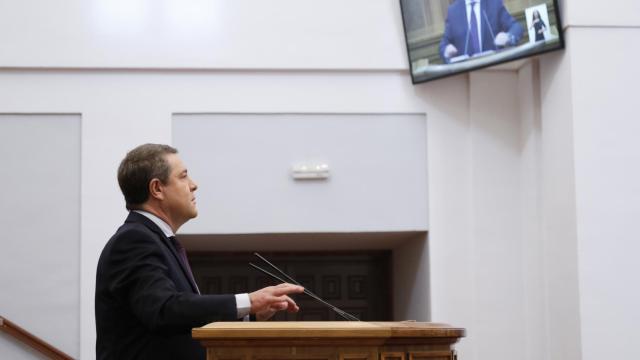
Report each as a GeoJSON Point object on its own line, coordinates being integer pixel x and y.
{"type": "Point", "coordinates": [466, 42]}
{"type": "Point", "coordinates": [493, 35]}
{"type": "Point", "coordinates": [345, 315]}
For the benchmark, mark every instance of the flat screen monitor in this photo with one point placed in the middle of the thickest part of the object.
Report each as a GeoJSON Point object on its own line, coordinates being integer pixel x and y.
{"type": "Point", "coordinates": [448, 37]}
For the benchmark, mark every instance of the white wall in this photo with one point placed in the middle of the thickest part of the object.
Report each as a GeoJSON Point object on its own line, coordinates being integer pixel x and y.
{"type": "Point", "coordinates": [410, 267]}
{"type": "Point", "coordinates": [481, 275]}
{"type": "Point", "coordinates": [450, 240]}
{"type": "Point", "coordinates": [533, 281]}
{"type": "Point", "coordinates": [594, 13]}
{"type": "Point", "coordinates": [559, 236]}
{"type": "Point", "coordinates": [591, 183]}
{"type": "Point", "coordinates": [123, 109]}
{"type": "Point", "coordinates": [378, 172]}
{"type": "Point", "coordinates": [607, 187]}
{"type": "Point", "coordinates": [214, 34]}
{"type": "Point", "coordinates": [515, 207]}
{"type": "Point", "coordinates": [496, 221]}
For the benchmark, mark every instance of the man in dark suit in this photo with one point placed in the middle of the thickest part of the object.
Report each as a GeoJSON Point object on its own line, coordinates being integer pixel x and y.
{"type": "Point", "coordinates": [146, 298]}
{"type": "Point", "coordinates": [476, 26]}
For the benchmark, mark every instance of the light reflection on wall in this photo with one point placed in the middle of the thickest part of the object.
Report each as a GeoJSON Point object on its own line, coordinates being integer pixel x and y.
{"type": "Point", "coordinates": [163, 17]}
{"type": "Point", "coordinates": [120, 16]}
{"type": "Point", "coordinates": [186, 16]}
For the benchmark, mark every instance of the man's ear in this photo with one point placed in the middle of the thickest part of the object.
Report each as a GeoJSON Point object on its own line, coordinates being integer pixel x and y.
{"type": "Point", "coordinates": [156, 189]}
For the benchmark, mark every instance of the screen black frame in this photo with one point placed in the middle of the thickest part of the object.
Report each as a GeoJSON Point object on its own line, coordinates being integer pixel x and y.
{"type": "Point", "coordinates": [560, 46]}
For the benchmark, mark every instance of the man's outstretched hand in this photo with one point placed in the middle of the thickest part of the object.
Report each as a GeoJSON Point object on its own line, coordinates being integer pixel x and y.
{"type": "Point", "coordinates": [268, 301]}
{"type": "Point", "coordinates": [450, 51]}
{"type": "Point", "coordinates": [502, 39]}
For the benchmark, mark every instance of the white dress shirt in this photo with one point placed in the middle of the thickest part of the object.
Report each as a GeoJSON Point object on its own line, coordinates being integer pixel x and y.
{"type": "Point", "coordinates": [243, 303]}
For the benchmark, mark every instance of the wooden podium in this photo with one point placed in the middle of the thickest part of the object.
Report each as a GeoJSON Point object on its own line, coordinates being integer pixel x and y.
{"type": "Point", "coordinates": [333, 340]}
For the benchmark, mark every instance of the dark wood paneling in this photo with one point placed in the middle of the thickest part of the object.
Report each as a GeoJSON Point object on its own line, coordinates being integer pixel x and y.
{"type": "Point", "coordinates": [358, 283]}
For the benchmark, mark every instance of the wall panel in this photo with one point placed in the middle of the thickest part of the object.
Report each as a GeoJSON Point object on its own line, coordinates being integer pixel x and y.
{"type": "Point", "coordinates": [40, 211]}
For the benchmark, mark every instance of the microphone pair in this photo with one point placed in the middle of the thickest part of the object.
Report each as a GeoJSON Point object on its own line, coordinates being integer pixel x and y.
{"type": "Point", "coordinates": [345, 315]}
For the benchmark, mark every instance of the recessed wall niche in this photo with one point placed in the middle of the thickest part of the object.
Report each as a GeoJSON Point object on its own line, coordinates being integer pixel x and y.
{"type": "Point", "coordinates": [375, 198]}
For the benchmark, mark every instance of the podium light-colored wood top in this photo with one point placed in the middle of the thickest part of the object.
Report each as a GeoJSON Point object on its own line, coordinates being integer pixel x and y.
{"type": "Point", "coordinates": [324, 329]}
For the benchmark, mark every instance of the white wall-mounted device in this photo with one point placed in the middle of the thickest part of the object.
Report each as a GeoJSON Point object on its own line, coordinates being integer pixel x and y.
{"type": "Point", "coordinates": [310, 171]}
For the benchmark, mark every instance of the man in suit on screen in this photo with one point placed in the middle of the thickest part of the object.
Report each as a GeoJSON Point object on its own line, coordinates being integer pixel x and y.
{"type": "Point", "coordinates": [147, 300]}
{"type": "Point", "coordinates": [476, 26]}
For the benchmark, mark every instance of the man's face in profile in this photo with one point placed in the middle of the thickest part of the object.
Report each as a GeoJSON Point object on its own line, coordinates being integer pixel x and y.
{"type": "Point", "coordinates": [180, 200]}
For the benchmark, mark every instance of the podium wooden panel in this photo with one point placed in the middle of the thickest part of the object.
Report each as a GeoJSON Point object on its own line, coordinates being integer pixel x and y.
{"type": "Point", "coordinates": [329, 340]}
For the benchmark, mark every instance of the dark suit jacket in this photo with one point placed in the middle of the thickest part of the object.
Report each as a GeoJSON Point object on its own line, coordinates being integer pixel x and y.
{"type": "Point", "coordinates": [145, 303]}
{"type": "Point", "coordinates": [492, 12]}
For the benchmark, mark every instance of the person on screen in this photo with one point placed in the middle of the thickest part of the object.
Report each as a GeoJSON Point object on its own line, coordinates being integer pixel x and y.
{"type": "Point", "coordinates": [475, 26]}
{"type": "Point", "coordinates": [147, 300]}
{"type": "Point", "coordinates": [539, 27]}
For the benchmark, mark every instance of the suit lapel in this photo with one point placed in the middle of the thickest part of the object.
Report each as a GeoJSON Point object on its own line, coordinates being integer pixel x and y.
{"type": "Point", "coordinates": [139, 218]}
{"type": "Point", "coordinates": [461, 14]}
{"type": "Point", "coordinates": [177, 256]}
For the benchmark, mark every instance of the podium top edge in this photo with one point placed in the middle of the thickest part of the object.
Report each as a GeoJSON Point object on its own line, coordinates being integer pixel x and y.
{"type": "Point", "coordinates": [325, 329]}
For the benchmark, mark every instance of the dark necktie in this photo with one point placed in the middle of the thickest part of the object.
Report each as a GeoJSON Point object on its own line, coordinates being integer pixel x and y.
{"type": "Point", "coordinates": [183, 257]}
{"type": "Point", "coordinates": [474, 41]}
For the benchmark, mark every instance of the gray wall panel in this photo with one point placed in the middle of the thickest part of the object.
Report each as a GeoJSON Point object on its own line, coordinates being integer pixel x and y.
{"type": "Point", "coordinates": [40, 212]}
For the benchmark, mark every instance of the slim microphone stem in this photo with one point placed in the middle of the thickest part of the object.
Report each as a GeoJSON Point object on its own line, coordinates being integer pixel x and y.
{"type": "Point", "coordinates": [486, 19]}
{"type": "Point", "coordinates": [291, 280]}
{"type": "Point", "coordinates": [308, 292]}
{"type": "Point", "coordinates": [340, 312]}
{"type": "Point", "coordinates": [266, 272]}
{"type": "Point", "coordinates": [466, 42]}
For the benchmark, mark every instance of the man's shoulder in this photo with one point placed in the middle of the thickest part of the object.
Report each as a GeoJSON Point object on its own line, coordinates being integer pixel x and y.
{"type": "Point", "coordinates": [134, 232]}
{"type": "Point", "coordinates": [456, 5]}
{"type": "Point", "coordinates": [494, 3]}
{"type": "Point", "coordinates": [132, 229]}
{"type": "Point", "coordinates": [137, 224]}
{"type": "Point", "coordinates": [129, 239]}
{"type": "Point", "coordinates": [131, 234]}
{"type": "Point", "coordinates": [458, 8]}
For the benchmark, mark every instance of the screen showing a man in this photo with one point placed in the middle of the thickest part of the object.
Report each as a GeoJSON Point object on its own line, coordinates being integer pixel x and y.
{"type": "Point", "coordinates": [475, 27]}
{"type": "Point", "coordinates": [448, 37]}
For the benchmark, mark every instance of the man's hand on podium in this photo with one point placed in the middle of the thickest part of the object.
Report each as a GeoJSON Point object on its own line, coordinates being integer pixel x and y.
{"type": "Point", "coordinates": [268, 301]}
{"type": "Point", "coordinates": [450, 51]}
{"type": "Point", "coordinates": [503, 39]}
